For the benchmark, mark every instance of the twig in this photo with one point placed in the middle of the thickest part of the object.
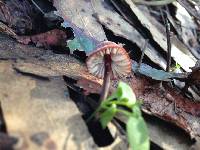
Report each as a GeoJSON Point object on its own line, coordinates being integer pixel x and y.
{"type": "Point", "coordinates": [119, 127]}
{"type": "Point", "coordinates": [153, 3]}
{"type": "Point", "coordinates": [36, 5]}
{"type": "Point", "coordinates": [167, 26]}
{"type": "Point", "coordinates": [114, 2]}
{"type": "Point", "coordinates": [168, 45]}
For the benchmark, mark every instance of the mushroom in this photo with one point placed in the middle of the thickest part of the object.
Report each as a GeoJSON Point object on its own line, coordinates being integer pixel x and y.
{"type": "Point", "coordinates": [108, 61]}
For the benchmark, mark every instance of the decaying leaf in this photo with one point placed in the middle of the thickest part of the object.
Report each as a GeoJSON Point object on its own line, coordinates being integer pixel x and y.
{"type": "Point", "coordinates": [192, 10]}
{"type": "Point", "coordinates": [188, 29]}
{"type": "Point", "coordinates": [80, 13]}
{"type": "Point", "coordinates": [89, 86]}
{"type": "Point", "coordinates": [108, 17]}
{"type": "Point", "coordinates": [152, 25]}
{"type": "Point", "coordinates": [193, 77]}
{"type": "Point", "coordinates": [21, 16]}
{"type": "Point", "coordinates": [168, 105]}
{"type": "Point", "coordinates": [79, 16]}
{"type": "Point", "coordinates": [54, 37]}
{"type": "Point", "coordinates": [155, 73]}
{"type": "Point", "coordinates": [81, 41]}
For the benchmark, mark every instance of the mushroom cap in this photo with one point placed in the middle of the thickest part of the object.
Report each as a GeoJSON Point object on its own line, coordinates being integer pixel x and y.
{"type": "Point", "coordinates": [120, 61]}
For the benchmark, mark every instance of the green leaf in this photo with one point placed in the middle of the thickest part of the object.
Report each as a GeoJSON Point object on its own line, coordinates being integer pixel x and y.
{"type": "Point", "coordinates": [136, 112]}
{"type": "Point", "coordinates": [125, 94]}
{"type": "Point", "coordinates": [137, 134]}
{"type": "Point", "coordinates": [108, 115]}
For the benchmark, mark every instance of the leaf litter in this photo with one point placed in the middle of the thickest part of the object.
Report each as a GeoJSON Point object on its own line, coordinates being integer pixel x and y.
{"type": "Point", "coordinates": [166, 103]}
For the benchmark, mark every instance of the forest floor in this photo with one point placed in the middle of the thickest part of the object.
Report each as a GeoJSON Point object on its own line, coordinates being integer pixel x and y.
{"type": "Point", "coordinates": [47, 92]}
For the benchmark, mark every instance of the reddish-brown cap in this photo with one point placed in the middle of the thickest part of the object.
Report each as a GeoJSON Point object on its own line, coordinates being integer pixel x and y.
{"type": "Point", "coordinates": [120, 61]}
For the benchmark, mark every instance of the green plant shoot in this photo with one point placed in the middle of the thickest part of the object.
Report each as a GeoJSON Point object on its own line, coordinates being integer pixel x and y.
{"type": "Point", "coordinates": [136, 128]}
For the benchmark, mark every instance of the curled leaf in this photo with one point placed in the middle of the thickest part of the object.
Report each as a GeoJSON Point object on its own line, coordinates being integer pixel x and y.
{"type": "Point", "coordinates": [125, 94]}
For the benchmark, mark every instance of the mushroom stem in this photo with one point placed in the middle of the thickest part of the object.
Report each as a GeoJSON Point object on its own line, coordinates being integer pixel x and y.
{"type": "Point", "coordinates": [107, 76]}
